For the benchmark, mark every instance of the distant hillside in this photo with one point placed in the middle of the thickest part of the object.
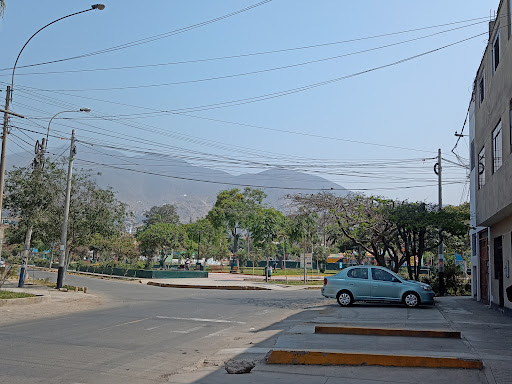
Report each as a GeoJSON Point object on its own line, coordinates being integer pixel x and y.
{"type": "Point", "coordinates": [193, 199]}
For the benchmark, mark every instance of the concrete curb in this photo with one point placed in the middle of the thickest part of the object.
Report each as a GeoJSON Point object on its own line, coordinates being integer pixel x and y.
{"type": "Point", "coordinates": [24, 300]}
{"type": "Point", "coordinates": [222, 287]}
{"type": "Point", "coordinates": [387, 332]}
{"type": "Point", "coordinates": [341, 358]}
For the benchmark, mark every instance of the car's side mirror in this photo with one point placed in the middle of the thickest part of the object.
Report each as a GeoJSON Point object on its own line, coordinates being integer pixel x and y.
{"type": "Point", "coordinates": [395, 280]}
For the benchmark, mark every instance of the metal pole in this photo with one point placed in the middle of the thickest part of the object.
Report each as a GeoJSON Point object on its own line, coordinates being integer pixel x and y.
{"type": "Point", "coordinates": [198, 249]}
{"type": "Point", "coordinates": [440, 249]}
{"type": "Point", "coordinates": [304, 260]}
{"type": "Point", "coordinates": [266, 271]}
{"type": "Point", "coordinates": [284, 258]}
{"type": "Point", "coordinates": [64, 231]}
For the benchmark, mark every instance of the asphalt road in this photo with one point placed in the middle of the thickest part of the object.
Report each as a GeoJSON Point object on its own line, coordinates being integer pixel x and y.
{"type": "Point", "coordinates": [146, 336]}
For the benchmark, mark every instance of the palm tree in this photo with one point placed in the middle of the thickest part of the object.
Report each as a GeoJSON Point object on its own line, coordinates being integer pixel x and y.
{"type": "Point", "coordinates": [2, 8]}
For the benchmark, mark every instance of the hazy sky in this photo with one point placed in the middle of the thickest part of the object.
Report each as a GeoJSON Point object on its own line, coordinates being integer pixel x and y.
{"type": "Point", "coordinates": [238, 94]}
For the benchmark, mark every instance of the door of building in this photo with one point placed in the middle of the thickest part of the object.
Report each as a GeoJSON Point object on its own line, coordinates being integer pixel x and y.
{"type": "Point", "coordinates": [484, 266]}
{"type": "Point", "coordinates": [498, 267]}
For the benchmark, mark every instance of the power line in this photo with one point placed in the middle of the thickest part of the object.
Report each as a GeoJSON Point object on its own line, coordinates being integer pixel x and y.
{"type": "Point", "coordinates": [483, 19]}
{"type": "Point", "coordinates": [263, 70]}
{"type": "Point", "coordinates": [244, 125]}
{"type": "Point", "coordinates": [255, 186]}
{"type": "Point", "coordinates": [149, 39]}
{"type": "Point", "coordinates": [286, 92]}
{"type": "Point", "coordinates": [291, 91]}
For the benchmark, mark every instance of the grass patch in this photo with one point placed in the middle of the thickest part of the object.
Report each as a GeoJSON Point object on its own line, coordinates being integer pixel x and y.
{"type": "Point", "coordinates": [14, 295]}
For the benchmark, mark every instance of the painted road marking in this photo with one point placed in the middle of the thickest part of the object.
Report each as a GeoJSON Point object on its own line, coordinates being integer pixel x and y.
{"type": "Point", "coordinates": [202, 320]}
{"type": "Point", "coordinates": [218, 333]}
{"type": "Point", "coordinates": [128, 322]}
{"type": "Point", "coordinates": [238, 351]}
{"type": "Point", "coordinates": [188, 330]}
{"type": "Point", "coordinates": [155, 327]}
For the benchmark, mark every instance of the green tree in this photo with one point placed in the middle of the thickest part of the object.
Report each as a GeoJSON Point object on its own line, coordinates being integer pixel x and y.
{"type": "Point", "coordinates": [234, 210]}
{"type": "Point", "coordinates": [37, 198]}
{"type": "Point", "coordinates": [206, 240]}
{"type": "Point", "coordinates": [93, 211]}
{"type": "Point", "coordinates": [264, 227]}
{"type": "Point", "coordinates": [119, 247]}
{"type": "Point", "coordinates": [417, 227]}
{"type": "Point", "coordinates": [161, 214]}
{"type": "Point", "coordinates": [34, 196]}
{"type": "Point", "coordinates": [159, 238]}
{"type": "Point", "coordinates": [458, 241]}
{"type": "Point", "coordinates": [361, 219]}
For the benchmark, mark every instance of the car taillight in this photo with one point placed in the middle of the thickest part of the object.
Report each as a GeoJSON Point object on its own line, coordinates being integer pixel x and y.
{"type": "Point", "coordinates": [325, 280]}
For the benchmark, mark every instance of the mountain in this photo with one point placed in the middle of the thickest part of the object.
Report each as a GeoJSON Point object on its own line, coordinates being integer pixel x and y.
{"type": "Point", "coordinates": [170, 180]}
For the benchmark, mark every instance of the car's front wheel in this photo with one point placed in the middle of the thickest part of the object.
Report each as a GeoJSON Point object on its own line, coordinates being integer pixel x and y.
{"type": "Point", "coordinates": [344, 298]}
{"type": "Point", "coordinates": [411, 299]}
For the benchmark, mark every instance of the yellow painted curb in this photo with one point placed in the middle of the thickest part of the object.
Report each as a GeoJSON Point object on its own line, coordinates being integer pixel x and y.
{"type": "Point", "coordinates": [340, 358]}
{"type": "Point", "coordinates": [388, 332]}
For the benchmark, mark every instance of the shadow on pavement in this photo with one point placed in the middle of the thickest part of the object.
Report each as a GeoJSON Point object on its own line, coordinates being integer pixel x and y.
{"type": "Point", "coordinates": [297, 333]}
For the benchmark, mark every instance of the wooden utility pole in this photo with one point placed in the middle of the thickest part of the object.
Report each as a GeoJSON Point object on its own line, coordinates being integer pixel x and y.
{"type": "Point", "coordinates": [2, 162]}
{"type": "Point", "coordinates": [64, 229]}
{"type": "Point", "coordinates": [439, 169]}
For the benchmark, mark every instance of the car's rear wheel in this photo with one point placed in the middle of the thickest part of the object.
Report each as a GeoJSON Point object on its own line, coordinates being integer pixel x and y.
{"type": "Point", "coordinates": [344, 298]}
{"type": "Point", "coordinates": [411, 299]}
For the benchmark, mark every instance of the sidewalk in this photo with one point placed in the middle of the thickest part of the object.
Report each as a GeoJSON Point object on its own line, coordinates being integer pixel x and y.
{"type": "Point", "coordinates": [486, 335]}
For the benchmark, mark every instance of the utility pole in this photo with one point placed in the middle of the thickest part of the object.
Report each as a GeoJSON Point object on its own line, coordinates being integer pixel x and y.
{"type": "Point", "coordinates": [2, 162]}
{"type": "Point", "coordinates": [438, 169]}
{"type": "Point", "coordinates": [64, 231]}
{"type": "Point", "coordinates": [2, 157]}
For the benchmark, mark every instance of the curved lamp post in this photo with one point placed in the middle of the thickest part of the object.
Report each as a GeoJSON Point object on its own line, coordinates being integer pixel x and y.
{"type": "Point", "coordinates": [45, 144]}
{"type": "Point", "coordinates": [100, 7]}
{"type": "Point", "coordinates": [6, 111]}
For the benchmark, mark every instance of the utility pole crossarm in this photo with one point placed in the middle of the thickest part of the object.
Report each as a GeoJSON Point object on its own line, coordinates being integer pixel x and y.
{"type": "Point", "coordinates": [11, 113]}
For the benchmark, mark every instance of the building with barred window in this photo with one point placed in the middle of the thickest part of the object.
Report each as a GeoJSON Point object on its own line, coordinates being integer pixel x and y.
{"type": "Point", "coordinates": [490, 126]}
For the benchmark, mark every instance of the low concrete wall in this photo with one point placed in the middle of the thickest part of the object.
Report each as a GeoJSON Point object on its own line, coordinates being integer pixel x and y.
{"type": "Point", "coordinates": [145, 274]}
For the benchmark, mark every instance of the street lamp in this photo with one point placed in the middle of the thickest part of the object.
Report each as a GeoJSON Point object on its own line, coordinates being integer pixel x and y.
{"type": "Point", "coordinates": [100, 7]}
{"type": "Point", "coordinates": [45, 144]}
{"type": "Point", "coordinates": [8, 99]}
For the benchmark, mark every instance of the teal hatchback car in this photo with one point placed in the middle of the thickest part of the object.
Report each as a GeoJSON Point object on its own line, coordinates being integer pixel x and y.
{"type": "Point", "coordinates": [372, 283]}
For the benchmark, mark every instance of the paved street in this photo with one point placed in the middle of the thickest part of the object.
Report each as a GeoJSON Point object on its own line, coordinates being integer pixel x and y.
{"type": "Point", "coordinates": [150, 334]}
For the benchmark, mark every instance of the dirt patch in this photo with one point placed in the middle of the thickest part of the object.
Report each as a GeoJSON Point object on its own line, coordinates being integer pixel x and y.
{"type": "Point", "coordinates": [60, 303]}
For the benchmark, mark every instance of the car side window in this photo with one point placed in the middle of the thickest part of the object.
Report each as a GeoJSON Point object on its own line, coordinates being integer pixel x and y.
{"type": "Point", "coordinates": [358, 273]}
{"type": "Point", "coordinates": [379, 274]}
